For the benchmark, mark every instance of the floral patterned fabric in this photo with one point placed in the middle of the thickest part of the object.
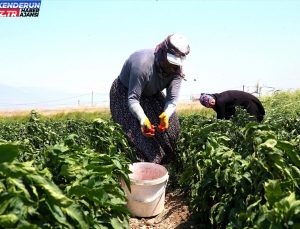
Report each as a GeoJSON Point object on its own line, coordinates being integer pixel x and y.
{"type": "Point", "coordinates": [159, 149]}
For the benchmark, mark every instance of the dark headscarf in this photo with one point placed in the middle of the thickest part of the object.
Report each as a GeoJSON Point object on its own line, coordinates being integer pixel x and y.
{"type": "Point", "coordinates": [205, 99]}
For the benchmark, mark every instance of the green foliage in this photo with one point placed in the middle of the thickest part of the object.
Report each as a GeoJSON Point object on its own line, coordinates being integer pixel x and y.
{"type": "Point", "coordinates": [282, 104]}
{"type": "Point", "coordinates": [29, 197]}
{"type": "Point", "coordinates": [63, 174]}
{"type": "Point", "coordinates": [242, 174]}
{"type": "Point", "coordinates": [92, 180]}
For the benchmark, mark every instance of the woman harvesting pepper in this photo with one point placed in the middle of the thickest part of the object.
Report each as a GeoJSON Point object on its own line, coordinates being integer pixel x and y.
{"type": "Point", "coordinates": [138, 104]}
{"type": "Point", "coordinates": [225, 103]}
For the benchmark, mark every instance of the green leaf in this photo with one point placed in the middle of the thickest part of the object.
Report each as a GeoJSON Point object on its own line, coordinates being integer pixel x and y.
{"type": "Point", "coordinates": [2, 187]}
{"type": "Point", "coordinates": [4, 203]}
{"type": "Point", "coordinates": [116, 223]}
{"type": "Point", "coordinates": [290, 150]}
{"type": "Point", "coordinates": [34, 191]}
{"type": "Point", "coordinates": [8, 221]}
{"type": "Point", "coordinates": [8, 152]}
{"type": "Point", "coordinates": [270, 143]}
{"type": "Point", "coordinates": [273, 191]}
{"type": "Point", "coordinates": [253, 205]}
{"type": "Point", "coordinates": [117, 164]}
{"type": "Point", "coordinates": [58, 214]}
{"type": "Point", "coordinates": [19, 183]}
{"type": "Point", "coordinates": [52, 190]}
{"type": "Point", "coordinates": [59, 148]}
{"type": "Point", "coordinates": [76, 215]}
{"type": "Point", "coordinates": [79, 190]}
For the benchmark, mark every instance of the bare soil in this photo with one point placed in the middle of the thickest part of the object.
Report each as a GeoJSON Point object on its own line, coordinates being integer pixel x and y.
{"type": "Point", "coordinates": [175, 215]}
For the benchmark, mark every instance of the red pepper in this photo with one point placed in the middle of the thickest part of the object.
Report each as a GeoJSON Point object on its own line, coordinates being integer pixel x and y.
{"type": "Point", "coordinates": [151, 130]}
{"type": "Point", "coordinates": [161, 128]}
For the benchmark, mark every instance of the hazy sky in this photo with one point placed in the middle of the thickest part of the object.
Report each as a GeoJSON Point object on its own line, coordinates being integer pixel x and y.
{"type": "Point", "coordinates": [80, 45]}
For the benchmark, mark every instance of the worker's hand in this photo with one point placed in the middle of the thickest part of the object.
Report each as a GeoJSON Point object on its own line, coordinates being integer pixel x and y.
{"type": "Point", "coordinates": [147, 129]}
{"type": "Point", "coordinates": [164, 122]}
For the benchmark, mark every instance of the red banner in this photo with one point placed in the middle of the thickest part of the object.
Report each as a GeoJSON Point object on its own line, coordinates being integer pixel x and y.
{"type": "Point", "coordinates": [10, 12]}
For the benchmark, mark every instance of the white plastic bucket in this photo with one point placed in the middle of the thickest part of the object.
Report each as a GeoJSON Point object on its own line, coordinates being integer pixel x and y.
{"type": "Point", "coordinates": [148, 185]}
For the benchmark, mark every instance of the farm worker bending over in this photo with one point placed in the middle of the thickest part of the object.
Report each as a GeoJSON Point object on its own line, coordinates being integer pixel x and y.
{"type": "Point", "coordinates": [224, 103]}
{"type": "Point", "coordinates": [138, 104]}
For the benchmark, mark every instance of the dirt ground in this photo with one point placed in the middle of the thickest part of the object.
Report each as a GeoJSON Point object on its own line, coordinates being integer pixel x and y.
{"type": "Point", "coordinates": [176, 215]}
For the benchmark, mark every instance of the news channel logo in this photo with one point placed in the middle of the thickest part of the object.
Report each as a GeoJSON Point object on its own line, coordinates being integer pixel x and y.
{"type": "Point", "coordinates": [20, 8]}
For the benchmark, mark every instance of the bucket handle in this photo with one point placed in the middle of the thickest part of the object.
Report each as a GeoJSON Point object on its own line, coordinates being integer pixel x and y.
{"type": "Point", "coordinates": [149, 200]}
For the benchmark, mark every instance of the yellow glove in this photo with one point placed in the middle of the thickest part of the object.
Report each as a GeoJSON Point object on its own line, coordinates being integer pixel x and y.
{"type": "Point", "coordinates": [147, 129]}
{"type": "Point", "coordinates": [164, 122]}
